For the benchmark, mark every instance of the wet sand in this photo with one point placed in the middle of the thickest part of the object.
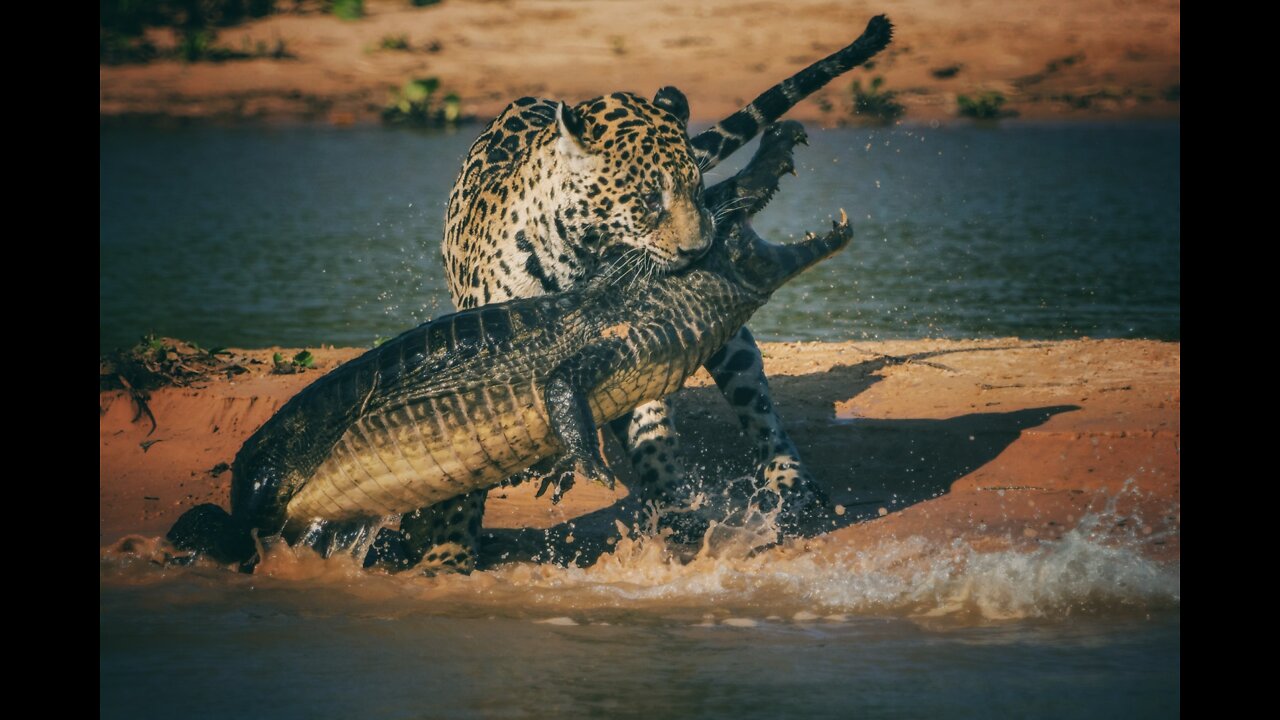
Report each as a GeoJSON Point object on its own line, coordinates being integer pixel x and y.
{"type": "Point", "coordinates": [1002, 443]}
{"type": "Point", "coordinates": [1085, 60]}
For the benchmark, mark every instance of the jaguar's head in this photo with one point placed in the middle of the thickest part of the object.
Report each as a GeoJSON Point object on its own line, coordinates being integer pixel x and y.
{"type": "Point", "coordinates": [635, 184]}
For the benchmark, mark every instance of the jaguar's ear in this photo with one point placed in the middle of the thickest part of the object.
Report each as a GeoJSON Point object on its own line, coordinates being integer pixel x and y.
{"type": "Point", "coordinates": [573, 130]}
{"type": "Point", "coordinates": [674, 102]}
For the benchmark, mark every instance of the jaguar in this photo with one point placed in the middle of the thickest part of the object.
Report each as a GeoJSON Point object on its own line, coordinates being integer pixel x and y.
{"type": "Point", "coordinates": [546, 190]}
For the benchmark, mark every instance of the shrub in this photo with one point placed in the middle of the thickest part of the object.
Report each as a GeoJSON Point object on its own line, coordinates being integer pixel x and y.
{"type": "Point", "coordinates": [394, 42]}
{"type": "Point", "coordinates": [985, 106]}
{"type": "Point", "coordinates": [414, 103]}
{"type": "Point", "coordinates": [874, 105]}
{"type": "Point", "coordinates": [348, 9]}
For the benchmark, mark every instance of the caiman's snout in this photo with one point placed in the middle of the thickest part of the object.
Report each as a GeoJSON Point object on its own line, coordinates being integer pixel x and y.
{"type": "Point", "coordinates": [769, 265]}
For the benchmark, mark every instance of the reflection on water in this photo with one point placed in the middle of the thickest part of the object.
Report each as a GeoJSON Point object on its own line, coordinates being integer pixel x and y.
{"type": "Point", "coordinates": [264, 660]}
{"type": "Point", "coordinates": [260, 236]}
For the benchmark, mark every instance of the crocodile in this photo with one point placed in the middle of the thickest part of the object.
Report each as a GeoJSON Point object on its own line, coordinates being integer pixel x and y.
{"type": "Point", "coordinates": [467, 400]}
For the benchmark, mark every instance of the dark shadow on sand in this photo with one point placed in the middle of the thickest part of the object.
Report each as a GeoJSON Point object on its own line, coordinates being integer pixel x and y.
{"type": "Point", "coordinates": [864, 464]}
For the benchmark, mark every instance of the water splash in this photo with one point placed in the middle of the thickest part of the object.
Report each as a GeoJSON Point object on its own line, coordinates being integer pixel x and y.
{"type": "Point", "coordinates": [643, 578]}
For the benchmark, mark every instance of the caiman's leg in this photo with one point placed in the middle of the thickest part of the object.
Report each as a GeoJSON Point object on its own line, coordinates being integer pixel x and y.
{"type": "Point", "coordinates": [569, 416]}
{"type": "Point", "coordinates": [755, 185]}
{"type": "Point", "coordinates": [738, 371]}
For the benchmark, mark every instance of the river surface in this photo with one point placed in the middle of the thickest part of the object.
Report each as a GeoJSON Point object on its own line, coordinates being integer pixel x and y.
{"type": "Point", "coordinates": [252, 237]}
{"type": "Point", "coordinates": [1079, 628]}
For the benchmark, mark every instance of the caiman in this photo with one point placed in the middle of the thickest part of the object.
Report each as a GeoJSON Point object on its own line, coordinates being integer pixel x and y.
{"type": "Point", "coordinates": [467, 400]}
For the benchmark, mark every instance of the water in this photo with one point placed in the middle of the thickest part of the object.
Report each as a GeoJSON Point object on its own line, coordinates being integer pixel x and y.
{"type": "Point", "coordinates": [345, 666]}
{"type": "Point", "coordinates": [254, 237]}
{"type": "Point", "coordinates": [1078, 628]}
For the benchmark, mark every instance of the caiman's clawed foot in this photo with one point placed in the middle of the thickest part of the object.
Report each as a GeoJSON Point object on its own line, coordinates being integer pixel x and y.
{"type": "Point", "coordinates": [567, 468]}
{"type": "Point", "coordinates": [755, 185]}
{"type": "Point", "coordinates": [780, 139]}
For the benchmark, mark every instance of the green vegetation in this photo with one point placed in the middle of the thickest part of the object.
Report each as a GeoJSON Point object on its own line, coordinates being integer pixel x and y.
{"type": "Point", "coordinates": [300, 362]}
{"type": "Point", "coordinates": [988, 105]}
{"type": "Point", "coordinates": [198, 47]}
{"type": "Point", "coordinates": [394, 42]}
{"type": "Point", "coordinates": [1092, 99]}
{"type": "Point", "coordinates": [423, 3]}
{"type": "Point", "coordinates": [123, 25]}
{"type": "Point", "coordinates": [347, 9]}
{"type": "Point", "coordinates": [162, 362]}
{"type": "Point", "coordinates": [415, 104]}
{"type": "Point", "coordinates": [875, 106]}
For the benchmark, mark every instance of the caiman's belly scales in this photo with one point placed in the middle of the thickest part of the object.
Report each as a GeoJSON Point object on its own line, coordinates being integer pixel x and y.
{"type": "Point", "coordinates": [421, 453]}
{"type": "Point", "coordinates": [426, 451]}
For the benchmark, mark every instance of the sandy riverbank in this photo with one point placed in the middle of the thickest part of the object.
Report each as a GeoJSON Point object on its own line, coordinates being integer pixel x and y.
{"type": "Point", "coordinates": [1000, 443]}
{"type": "Point", "coordinates": [1088, 59]}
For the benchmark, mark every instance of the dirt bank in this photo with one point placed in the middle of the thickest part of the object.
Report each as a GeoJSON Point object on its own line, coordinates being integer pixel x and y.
{"type": "Point", "coordinates": [1002, 443]}
{"type": "Point", "coordinates": [1086, 59]}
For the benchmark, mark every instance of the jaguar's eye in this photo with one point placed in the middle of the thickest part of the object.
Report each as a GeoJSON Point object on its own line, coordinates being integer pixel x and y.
{"type": "Point", "coordinates": [653, 201]}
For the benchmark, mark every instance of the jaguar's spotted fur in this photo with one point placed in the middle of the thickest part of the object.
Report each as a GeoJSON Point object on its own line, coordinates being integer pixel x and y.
{"type": "Point", "coordinates": [547, 186]}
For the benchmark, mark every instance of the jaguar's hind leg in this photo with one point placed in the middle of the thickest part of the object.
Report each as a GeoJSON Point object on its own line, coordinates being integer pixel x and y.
{"type": "Point", "coordinates": [442, 538]}
{"type": "Point", "coordinates": [738, 370]}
